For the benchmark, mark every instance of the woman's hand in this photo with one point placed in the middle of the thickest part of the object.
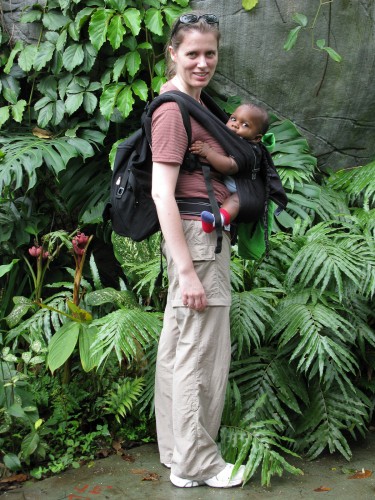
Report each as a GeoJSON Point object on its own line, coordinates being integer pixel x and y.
{"type": "Point", "coordinates": [164, 178]}
{"type": "Point", "coordinates": [192, 291]}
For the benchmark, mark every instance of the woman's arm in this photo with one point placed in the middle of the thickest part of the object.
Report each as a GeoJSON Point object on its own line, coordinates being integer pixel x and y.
{"type": "Point", "coordinates": [224, 164]}
{"type": "Point", "coordinates": [164, 179]}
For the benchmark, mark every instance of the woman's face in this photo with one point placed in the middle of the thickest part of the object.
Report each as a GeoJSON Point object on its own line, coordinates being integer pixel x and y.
{"type": "Point", "coordinates": [195, 60]}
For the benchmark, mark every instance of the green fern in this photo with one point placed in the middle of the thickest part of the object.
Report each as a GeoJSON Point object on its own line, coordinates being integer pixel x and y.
{"type": "Point", "coordinates": [358, 183]}
{"type": "Point", "coordinates": [250, 313]}
{"type": "Point", "coordinates": [119, 400]}
{"type": "Point", "coordinates": [255, 443]}
{"type": "Point", "coordinates": [266, 375]}
{"type": "Point", "coordinates": [329, 257]}
{"type": "Point", "coordinates": [310, 325]}
{"type": "Point", "coordinates": [24, 154]}
{"type": "Point", "coordinates": [123, 331]}
{"type": "Point", "coordinates": [330, 418]}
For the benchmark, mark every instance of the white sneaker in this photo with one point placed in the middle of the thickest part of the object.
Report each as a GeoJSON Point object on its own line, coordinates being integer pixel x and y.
{"type": "Point", "coordinates": [185, 483]}
{"type": "Point", "coordinates": [221, 480]}
{"type": "Point", "coordinates": [224, 480]}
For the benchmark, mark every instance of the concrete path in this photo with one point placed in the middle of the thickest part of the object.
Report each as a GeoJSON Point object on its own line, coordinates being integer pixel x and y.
{"type": "Point", "coordinates": [138, 475]}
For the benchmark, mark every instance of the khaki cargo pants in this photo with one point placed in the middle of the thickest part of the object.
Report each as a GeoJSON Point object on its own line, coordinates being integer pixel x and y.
{"type": "Point", "coordinates": [193, 363]}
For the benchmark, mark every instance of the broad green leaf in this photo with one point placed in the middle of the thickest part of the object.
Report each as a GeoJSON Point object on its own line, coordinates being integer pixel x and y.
{"type": "Point", "coordinates": [73, 102]}
{"type": "Point", "coordinates": [154, 21]}
{"type": "Point", "coordinates": [133, 62]}
{"type": "Point", "coordinates": [292, 38]}
{"type": "Point", "coordinates": [119, 67]}
{"type": "Point", "coordinates": [6, 268]}
{"type": "Point", "coordinates": [300, 19]}
{"type": "Point", "coordinates": [333, 54]}
{"type": "Point", "coordinates": [31, 16]}
{"type": "Point", "coordinates": [30, 444]}
{"type": "Point", "coordinates": [89, 359]}
{"type": "Point", "coordinates": [182, 3]}
{"type": "Point", "coordinates": [73, 56]}
{"type": "Point", "coordinates": [157, 82]}
{"type": "Point", "coordinates": [249, 4]}
{"type": "Point", "coordinates": [159, 68]}
{"type": "Point", "coordinates": [54, 20]}
{"type": "Point", "coordinates": [125, 101]}
{"type": "Point", "coordinates": [61, 41]}
{"type": "Point", "coordinates": [140, 89]}
{"type": "Point", "coordinates": [58, 112]}
{"type": "Point", "coordinates": [132, 19]}
{"type": "Point", "coordinates": [4, 115]}
{"type": "Point", "coordinates": [90, 101]}
{"type": "Point", "coordinates": [45, 115]}
{"type": "Point", "coordinates": [10, 95]}
{"type": "Point", "coordinates": [73, 31]}
{"type": "Point", "coordinates": [171, 13]}
{"type": "Point", "coordinates": [16, 410]}
{"type": "Point", "coordinates": [42, 102]}
{"type": "Point", "coordinates": [108, 99]}
{"type": "Point", "coordinates": [98, 27]}
{"type": "Point", "coordinates": [78, 313]}
{"type": "Point", "coordinates": [26, 57]}
{"type": "Point", "coordinates": [90, 54]}
{"type": "Point", "coordinates": [44, 54]}
{"type": "Point", "coordinates": [12, 462]}
{"type": "Point", "coordinates": [48, 87]}
{"type": "Point", "coordinates": [18, 110]}
{"type": "Point", "coordinates": [62, 345]}
{"type": "Point", "coordinates": [116, 31]}
{"type": "Point", "coordinates": [17, 48]}
{"type": "Point", "coordinates": [82, 16]}
{"type": "Point", "coordinates": [145, 45]}
{"type": "Point", "coordinates": [83, 147]}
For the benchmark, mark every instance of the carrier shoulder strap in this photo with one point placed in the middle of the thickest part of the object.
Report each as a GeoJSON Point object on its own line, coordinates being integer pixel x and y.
{"type": "Point", "coordinates": [184, 103]}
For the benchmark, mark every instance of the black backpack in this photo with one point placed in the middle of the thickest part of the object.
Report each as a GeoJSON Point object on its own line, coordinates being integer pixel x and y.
{"type": "Point", "coordinates": [131, 208]}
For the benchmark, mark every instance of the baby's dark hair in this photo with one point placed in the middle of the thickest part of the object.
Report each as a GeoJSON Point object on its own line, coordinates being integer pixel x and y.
{"type": "Point", "coordinates": [263, 118]}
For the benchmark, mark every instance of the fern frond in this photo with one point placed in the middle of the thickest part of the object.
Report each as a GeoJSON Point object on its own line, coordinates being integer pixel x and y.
{"type": "Point", "coordinates": [328, 257]}
{"type": "Point", "coordinates": [124, 330]}
{"type": "Point", "coordinates": [267, 376]}
{"type": "Point", "coordinates": [95, 273]}
{"type": "Point", "coordinates": [315, 332]}
{"type": "Point", "coordinates": [232, 412]}
{"type": "Point", "coordinates": [255, 445]}
{"type": "Point", "coordinates": [358, 183]}
{"type": "Point", "coordinates": [329, 417]}
{"type": "Point", "coordinates": [147, 398]}
{"type": "Point", "coordinates": [250, 313]}
{"type": "Point", "coordinates": [45, 322]}
{"type": "Point", "coordinates": [120, 399]}
{"type": "Point", "coordinates": [25, 154]}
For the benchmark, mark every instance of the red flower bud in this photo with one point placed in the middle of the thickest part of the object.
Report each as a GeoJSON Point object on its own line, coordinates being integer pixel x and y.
{"type": "Point", "coordinates": [35, 251]}
{"type": "Point", "coordinates": [82, 239]}
{"type": "Point", "coordinates": [45, 255]}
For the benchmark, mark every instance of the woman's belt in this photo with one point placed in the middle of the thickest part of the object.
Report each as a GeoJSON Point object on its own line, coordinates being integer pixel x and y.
{"type": "Point", "coordinates": [193, 206]}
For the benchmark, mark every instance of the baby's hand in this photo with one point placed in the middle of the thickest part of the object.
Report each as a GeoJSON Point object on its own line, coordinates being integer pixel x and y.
{"type": "Point", "coordinates": [200, 148]}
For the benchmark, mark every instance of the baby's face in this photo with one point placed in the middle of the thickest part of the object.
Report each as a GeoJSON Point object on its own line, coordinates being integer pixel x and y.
{"type": "Point", "coordinates": [244, 121]}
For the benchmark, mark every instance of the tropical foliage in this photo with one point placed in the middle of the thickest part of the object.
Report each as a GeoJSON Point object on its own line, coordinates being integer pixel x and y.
{"type": "Point", "coordinates": [79, 333]}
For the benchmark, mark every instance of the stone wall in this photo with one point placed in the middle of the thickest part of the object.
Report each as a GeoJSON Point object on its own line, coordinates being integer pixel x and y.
{"type": "Point", "coordinates": [333, 104]}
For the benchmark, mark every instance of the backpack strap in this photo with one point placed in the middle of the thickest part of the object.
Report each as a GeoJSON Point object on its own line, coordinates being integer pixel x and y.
{"type": "Point", "coordinates": [190, 159]}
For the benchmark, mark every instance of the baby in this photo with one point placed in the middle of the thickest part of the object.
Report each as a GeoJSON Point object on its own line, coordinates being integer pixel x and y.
{"type": "Point", "coordinates": [249, 122]}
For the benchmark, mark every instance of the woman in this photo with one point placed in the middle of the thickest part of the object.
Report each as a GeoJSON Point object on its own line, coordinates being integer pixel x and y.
{"type": "Point", "coordinates": [194, 348]}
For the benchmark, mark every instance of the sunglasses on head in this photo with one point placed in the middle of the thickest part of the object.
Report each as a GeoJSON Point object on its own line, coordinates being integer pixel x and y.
{"type": "Point", "coordinates": [193, 18]}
